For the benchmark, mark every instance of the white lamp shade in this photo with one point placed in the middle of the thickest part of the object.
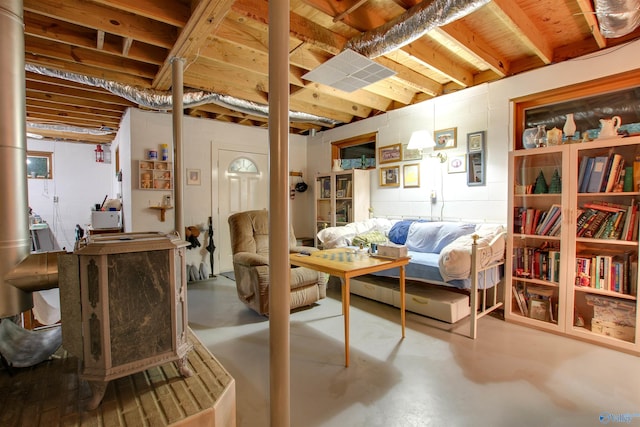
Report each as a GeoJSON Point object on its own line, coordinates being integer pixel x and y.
{"type": "Point", "coordinates": [421, 139]}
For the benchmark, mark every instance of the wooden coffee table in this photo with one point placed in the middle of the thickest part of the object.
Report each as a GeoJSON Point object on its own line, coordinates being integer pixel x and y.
{"type": "Point", "coordinates": [345, 264]}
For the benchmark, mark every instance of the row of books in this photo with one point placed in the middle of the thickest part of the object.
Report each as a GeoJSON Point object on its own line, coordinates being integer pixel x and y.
{"type": "Point", "coordinates": [604, 174]}
{"type": "Point", "coordinates": [537, 221]}
{"type": "Point", "coordinates": [536, 263]}
{"type": "Point", "coordinates": [536, 302]}
{"type": "Point", "coordinates": [607, 220]}
{"type": "Point", "coordinates": [612, 272]}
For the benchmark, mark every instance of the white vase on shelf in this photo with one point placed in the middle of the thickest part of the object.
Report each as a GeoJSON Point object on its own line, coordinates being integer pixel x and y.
{"type": "Point", "coordinates": [569, 128]}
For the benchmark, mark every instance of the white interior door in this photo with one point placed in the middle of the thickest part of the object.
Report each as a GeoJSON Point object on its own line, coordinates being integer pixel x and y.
{"type": "Point", "coordinates": [243, 185]}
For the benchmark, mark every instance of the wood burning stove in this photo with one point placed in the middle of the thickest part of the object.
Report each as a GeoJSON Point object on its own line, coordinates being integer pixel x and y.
{"type": "Point", "coordinates": [124, 308]}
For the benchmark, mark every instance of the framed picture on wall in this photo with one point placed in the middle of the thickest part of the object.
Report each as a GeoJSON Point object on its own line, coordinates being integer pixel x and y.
{"type": "Point", "coordinates": [389, 154]}
{"type": "Point", "coordinates": [475, 168]}
{"type": "Point", "coordinates": [193, 176]}
{"type": "Point", "coordinates": [411, 154]}
{"type": "Point", "coordinates": [445, 139]}
{"type": "Point", "coordinates": [411, 175]}
{"type": "Point", "coordinates": [457, 164]}
{"type": "Point", "coordinates": [390, 176]}
{"type": "Point", "coordinates": [475, 142]}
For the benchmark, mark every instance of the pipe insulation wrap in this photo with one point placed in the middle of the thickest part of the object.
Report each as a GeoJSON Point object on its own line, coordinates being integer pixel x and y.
{"type": "Point", "coordinates": [617, 18]}
{"type": "Point", "coordinates": [411, 25]}
{"type": "Point", "coordinates": [162, 100]}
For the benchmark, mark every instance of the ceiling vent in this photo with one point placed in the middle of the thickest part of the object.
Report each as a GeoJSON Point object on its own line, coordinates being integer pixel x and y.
{"type": "Point", "coordinates": [349, 71]}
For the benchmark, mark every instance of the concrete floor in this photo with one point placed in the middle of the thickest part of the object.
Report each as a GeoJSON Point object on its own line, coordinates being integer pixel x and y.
{"type": "Point", "coordinates": [436, 376]}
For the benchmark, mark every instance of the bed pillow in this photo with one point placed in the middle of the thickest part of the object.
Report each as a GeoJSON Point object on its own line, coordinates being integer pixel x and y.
{"type": "Point", "coordinates": [454, 262]}
{"type": "Point", "coordinates": [398, 232]}
{"type": "Point", "coordinates": [433, 236]}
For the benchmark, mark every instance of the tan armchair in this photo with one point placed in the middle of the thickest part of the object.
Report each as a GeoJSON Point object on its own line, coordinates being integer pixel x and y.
{"type": "Point", "coordinates": [249, 233]}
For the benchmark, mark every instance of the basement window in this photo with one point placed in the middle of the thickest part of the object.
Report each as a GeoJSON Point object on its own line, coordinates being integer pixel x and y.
{"type": "Point", "coordinates": [351, 151]}
{"type": "Point", "coordinates": [39, 165]}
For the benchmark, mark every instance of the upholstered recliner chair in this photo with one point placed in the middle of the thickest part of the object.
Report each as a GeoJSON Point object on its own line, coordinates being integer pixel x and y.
{"type": "Point", "coordinates": [249, 233]}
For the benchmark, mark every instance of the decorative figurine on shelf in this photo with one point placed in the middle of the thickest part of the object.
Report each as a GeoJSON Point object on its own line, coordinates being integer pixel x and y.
{"type": "Point", "coordinates": [555, 187]}
{"type": "Point", "coordinates": [541, 185]}
{"type": "Point", "coordinates": [540, 139]}
{"type": "Point", "coordinates": [569, 128]}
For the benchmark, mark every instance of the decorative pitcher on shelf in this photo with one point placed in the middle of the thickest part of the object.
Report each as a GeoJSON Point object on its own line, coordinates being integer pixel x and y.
{"type": "Point", "coordinates": [609, 127]}
{"type": "Point", "coordinates": [337, 165]}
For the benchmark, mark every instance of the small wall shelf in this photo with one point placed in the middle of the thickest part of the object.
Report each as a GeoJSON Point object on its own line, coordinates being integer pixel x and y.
{"type": "Point", "coordinates": [162, 210]}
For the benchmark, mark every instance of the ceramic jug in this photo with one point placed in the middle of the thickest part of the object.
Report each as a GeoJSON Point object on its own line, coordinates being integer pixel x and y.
{"type": "Point", "coordinates": [337, 165]}
{"type": "Point", "coordinates": [609, 127]}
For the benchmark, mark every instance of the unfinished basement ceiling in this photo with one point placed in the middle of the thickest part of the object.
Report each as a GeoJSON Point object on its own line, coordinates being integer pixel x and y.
{"type": "Point", "coordinates": [225, 47]}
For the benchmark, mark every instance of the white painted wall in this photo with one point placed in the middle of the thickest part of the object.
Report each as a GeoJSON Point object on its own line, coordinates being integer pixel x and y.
{"type": "Point", "coordinates": [485, 107]}
{"type": "Point", "coordinates": [78, 182]}
{"type": "Point", "coordinates": [143, 130]}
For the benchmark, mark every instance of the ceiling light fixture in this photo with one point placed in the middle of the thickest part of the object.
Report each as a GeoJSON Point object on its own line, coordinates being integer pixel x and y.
{"type": "Point", "coordinates": [348, 71]}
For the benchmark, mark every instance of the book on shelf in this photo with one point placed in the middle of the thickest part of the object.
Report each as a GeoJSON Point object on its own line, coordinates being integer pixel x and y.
{"type": "Point", "coordinates": [584, 182]}
{"type": "Point", "coordinates": [596, 177]}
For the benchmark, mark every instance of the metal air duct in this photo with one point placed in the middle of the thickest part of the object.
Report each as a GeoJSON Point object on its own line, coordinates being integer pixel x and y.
{"type": "Point", "coordinates": [411, 25]}
{"type": "Point", "coordinates": [617, 18]}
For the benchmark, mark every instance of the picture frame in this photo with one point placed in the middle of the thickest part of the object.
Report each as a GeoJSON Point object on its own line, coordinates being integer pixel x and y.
{"type": "Point", "coordinates": [390, 176]}
{"type": "Point", "coordinates": [389, 153]}
{"type": "Point", "coordinates": [411, 154]}
{"type": "Point", "coordinates": [475, 169]}
{"type": "Point", "coordinates": [457, 164]}
{"type": "Point", "coordinates": [340, 194]}
{"type": "Point", "coordinates": [193, 176]}
{"type": "Point", "coordinates": [539, 309]}
{"type": "Point", "coordinates": [445, 139]}
{"type": "Point", "coordinates": [475, 142]}
{"type": "Point", "coordinates": [411, 175]}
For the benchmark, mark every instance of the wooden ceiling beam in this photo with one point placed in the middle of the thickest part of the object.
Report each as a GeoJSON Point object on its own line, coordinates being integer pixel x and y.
{"type": "Point", "coordinates": [203, 22]}
{"type": "Point", "coordinates": [106, 98]}
{"type": "Point", "coordinates": [519, 22]}
{"type": "Point", "coordinates": [79, 55]}
{"type": "Point", "coordinates": [58, 135]}
{"type": "Point", "coordinates": [64, 115]}
{"type": "Point", "coordinates": [87, 70]}
{"type": "Point", "coordinates": [69, 100]}
{"type": "Point", "coordinates": [58, 31]}
{"type": "Point", "coordinates": [77, 109]}
{"type": "Point", "coordinates": [170, 12]}
{"type": "Point", "coordinates": [107, 19]}
{"type": "Point", "coordinates": [475, 45]}
{"type": "Point", "coordinates": [586, 7]}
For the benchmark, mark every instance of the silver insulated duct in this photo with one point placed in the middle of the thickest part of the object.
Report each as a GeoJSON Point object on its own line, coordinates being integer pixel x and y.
{"type": "Point", "coordinates": [411, 25]}
{"type": "Point", "coordinates": [617, 18]}
{"type": "Point", "coordinates": [14, 214]}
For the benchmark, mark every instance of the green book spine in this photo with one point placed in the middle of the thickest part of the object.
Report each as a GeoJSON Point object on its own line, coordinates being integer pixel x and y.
{"type": "Point", "coordinates": [628, 179]}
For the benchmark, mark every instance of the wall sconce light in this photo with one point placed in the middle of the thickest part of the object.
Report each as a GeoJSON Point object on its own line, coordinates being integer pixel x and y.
{"type": "Point", "coordinates": [422, 139]}
{"type": "Point", "coordinates": [440, 156]}
{"type": "Point", "coordinates": [99, 154]}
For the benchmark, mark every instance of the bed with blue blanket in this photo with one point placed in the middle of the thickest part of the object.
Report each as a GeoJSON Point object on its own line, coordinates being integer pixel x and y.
{"type": "Point", "coordinates": [465, 256]}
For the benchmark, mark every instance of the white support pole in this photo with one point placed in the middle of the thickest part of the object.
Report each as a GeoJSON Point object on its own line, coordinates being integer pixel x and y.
{"type": "Point", "coordinates": [279, 269]}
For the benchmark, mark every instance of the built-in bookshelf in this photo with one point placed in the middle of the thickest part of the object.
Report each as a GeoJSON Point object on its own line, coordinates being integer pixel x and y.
{"type": "Point", "coordinates": [573, 240]}
{"type": "Point", "coordinates": [342, 197]}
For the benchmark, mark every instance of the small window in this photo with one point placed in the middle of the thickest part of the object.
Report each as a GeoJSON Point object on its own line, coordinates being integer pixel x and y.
{"type": "Point", "coordinates": [242, 165]}
{"type": "Point", "coordinates": [39, 165]}
{"type": "Point", "coordinates": [351, 151]}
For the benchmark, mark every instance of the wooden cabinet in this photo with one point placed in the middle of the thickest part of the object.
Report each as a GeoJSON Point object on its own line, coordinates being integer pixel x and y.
{"type": "Point", "coordinates": [155, 175]}
{"type": "Point", "coordinates": [342, 197]}
{"type": "Point", "coordinates": [573, 240]}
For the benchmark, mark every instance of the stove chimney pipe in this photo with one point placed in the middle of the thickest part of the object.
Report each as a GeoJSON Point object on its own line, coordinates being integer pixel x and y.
{"type": "Point", "coordinates": [14, 206]}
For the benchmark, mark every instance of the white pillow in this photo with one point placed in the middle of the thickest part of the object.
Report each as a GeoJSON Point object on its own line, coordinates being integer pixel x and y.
{"type": "Point", "coordinates": [455, 258]}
